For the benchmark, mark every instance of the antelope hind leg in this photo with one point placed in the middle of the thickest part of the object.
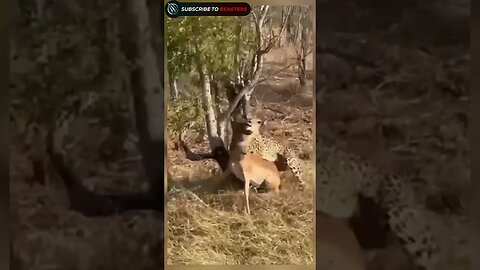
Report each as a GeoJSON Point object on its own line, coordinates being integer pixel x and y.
{"type": "Point", "coordinates": [246, 191]}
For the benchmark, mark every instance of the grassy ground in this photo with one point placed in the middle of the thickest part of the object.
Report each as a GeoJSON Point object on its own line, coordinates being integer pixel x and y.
{"type": "Point", "coordinates": [213, 229]}
{"type": "Point", "coordinates": [209, 228]}
{"type": "Point", "coordinates": [47, 235]}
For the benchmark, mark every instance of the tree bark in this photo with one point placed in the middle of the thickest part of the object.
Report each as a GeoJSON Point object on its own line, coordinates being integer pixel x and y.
{"type": "Point", "coordinates": [146, 85]}
{"type": "Point", "coordinates": [157, 29]}
{"type": "Point", "coordinates": [173, 89]}
{"type": "Point", "coordinates": [207, 101]}
{"type": "Point", "coordinates": [302, 52]}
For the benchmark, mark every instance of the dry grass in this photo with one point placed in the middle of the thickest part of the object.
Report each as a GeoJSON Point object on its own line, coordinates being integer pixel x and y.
{"type": "Point", "coordinates": [213, 229]}
{"type": "Point", "coordinates": [48, 235]}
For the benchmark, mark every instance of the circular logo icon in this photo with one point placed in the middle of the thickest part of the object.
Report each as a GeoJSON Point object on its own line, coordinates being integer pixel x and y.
{"type": "Point", "coordinates": [172, 9]}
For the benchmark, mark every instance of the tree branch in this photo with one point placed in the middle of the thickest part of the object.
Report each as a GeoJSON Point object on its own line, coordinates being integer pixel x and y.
{"type": "Point", "coordinates": [274, 39]}
{"type": "Point", "coordinates": [219, 153]}
{"type": "Point", "coordinates": [249, 87]}
{"type": "Point", "coordinates": [256, 65]}
{"type": "Point", "coordinates": [189, 154]}
{"type": "Point", "coordinates": [226, 115]}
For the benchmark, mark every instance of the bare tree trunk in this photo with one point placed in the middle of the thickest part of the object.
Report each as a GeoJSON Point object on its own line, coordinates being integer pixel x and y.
{"type": "Point", "coordinates": [284, 35]}
{"type": "Point", "coordinates": [280, 40]}
{"type": "Point", "coordinates": [246, 106]}
{"type": "Point", "coordinates": [173, 89]}
{"type": "Point", "coordinates": [155, 9]}
{"type": "Point", "coordinates": [302, 52]}
{"type": "Point", "coordinates": [302, 73]}
{"type": "Point", "coordinates": [146, 84]}
{"type": "Point", "coordinates": [208, 105]}
{"type": "Point", "coordinates": [291, 31]}
{"type": "Point", "coordinates": [222, 127]}
{"type": "Point", "coordinates": [238, 71]}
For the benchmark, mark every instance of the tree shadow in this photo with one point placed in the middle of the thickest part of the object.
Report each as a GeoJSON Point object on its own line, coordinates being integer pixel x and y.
{"type": "Point", "coordinates": [209, 185]}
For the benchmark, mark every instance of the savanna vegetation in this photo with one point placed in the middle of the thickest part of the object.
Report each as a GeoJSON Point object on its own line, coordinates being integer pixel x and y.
{"type": "Point", "coordinates": [220, 68]}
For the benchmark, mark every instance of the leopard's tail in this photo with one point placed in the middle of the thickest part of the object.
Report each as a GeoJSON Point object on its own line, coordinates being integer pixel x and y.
{"type": "Point", "coordinates": [293, 162]}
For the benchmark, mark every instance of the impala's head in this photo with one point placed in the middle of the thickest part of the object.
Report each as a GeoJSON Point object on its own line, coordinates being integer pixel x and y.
{"type": "Point", "coordinates": [253, 125]}
{"type": "Point", "coordinates": [247, 126]}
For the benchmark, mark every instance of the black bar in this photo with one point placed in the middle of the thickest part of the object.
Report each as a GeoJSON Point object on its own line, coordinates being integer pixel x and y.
{"type": "Point", "coordinates": [175, 9]}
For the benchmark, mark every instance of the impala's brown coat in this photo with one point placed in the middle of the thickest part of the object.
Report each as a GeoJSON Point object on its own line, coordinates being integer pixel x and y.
{"type": "Point", "coordinates": [337, 245]}
{"type": "Point", "coordinates": [248, 167]}
{"type": "Point", "coordinates": [253, 169]}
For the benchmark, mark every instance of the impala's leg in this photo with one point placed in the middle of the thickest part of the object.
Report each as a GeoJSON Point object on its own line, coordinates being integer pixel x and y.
{"type": "Point", "coordinates": [278, 183]}
{"type": "Point", "coordinates": [277, 190]}
{"type": "Point", "coordinates": [247, 190]}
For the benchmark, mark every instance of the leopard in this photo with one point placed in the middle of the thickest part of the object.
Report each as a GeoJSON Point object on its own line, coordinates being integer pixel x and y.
{"type": "Point", "coordinates": [274, 151]}
{"type": "Point", "coordinates": [342, 177]}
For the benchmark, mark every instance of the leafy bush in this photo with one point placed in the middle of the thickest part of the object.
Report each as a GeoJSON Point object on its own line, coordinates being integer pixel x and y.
{"type": "Point", "coordinates": [184, 110]}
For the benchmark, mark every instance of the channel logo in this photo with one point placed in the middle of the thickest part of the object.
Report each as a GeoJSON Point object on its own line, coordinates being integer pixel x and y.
{"type": "Point", "coordinates": [172, 8]}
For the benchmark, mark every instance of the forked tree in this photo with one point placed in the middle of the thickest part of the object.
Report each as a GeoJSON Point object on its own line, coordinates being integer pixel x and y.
{"type": "Point", "coordinates": [231, 60]}
{"type": "Point", "coordinates": [302, 41]}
